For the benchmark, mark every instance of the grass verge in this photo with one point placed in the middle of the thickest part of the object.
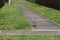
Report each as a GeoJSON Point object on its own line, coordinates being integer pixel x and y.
{"type": "Point", "coordinates": [30, 37]}
{"type": "Point", "coordinates": [12, 18]}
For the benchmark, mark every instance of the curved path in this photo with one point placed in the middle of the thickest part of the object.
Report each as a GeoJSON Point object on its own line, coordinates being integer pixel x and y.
{"type": "Point", "coordinates": [40, 25]}
{"type": "Point", "coordinates": [38, 22]}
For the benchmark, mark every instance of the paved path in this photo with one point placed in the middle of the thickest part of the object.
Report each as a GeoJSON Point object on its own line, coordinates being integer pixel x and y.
{"type": "Point", "coordinates": [40, 25]}
{"type": "Point", "coordinates": [38, 22]}
{"type": "Point", "coordinates": [30, 32]}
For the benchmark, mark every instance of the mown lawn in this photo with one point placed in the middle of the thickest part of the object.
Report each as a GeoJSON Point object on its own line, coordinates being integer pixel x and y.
{"type": "Point", "coordinates": [30, 37]}
{"type": "Point", "coordinates": [49, 13]}
{"type": "Point", "coordinates": [12, 18]}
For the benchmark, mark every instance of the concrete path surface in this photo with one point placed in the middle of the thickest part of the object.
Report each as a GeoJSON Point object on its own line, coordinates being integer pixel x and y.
{"type": "Point", "coordinates": [30, 32]}
{"type": "Point", "coordinates": [40, 25]}
{"type": "Point", "coordinates": [38, 22]}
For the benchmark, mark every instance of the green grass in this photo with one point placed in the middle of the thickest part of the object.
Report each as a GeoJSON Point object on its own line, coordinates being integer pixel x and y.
{"type": "Point", "coordinates": [49, 13]}
{"type": "Point", "coordinates": [12, 18]}
{"type": "Point", "coordinates": [30, 37]}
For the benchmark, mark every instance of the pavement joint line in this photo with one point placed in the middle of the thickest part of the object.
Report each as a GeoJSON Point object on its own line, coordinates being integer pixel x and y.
{"type": "Point", "coordinates": [33, 30]}
{"type": "Point", "coordinates": [45, 30]}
